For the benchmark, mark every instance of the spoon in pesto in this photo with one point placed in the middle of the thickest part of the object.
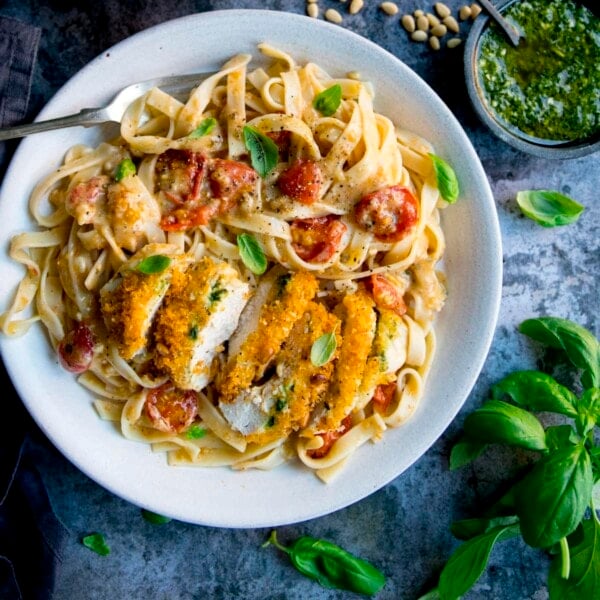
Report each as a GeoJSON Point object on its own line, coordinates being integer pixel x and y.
{"type": "Point", "coordinates": [513, 35]}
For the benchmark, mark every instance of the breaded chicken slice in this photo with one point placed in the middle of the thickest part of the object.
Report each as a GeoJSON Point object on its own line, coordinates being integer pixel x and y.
{"type": "Point", "coordinates": [284, 403]}
{"type": "Point", "coordinates": [130, 300]}
{"type": "Point", "coordinates": [280, 300]}
{"type": "Point", "coordinates": [200, 311]}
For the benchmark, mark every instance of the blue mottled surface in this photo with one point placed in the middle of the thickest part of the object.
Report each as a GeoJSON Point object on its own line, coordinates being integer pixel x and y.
{"type": "Point", "coordinates": [403, 528]}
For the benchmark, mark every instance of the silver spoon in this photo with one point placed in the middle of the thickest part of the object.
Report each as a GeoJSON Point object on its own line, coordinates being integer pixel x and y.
{"type": "Point", "coordinates": [513, 35]}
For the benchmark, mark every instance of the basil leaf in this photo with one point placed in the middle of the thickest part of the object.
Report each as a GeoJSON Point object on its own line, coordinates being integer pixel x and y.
{"type": "Point", "coordinates": [195, 432]}
{"type": "Point", "coordinates": [446, 179]}
{"type": "Point", "coordinates": [498, 422]}
{"type": "Point", "coordinates": [153, 264]}
{"type": "Point", "coordinates": [536, 391]}
{"type": "Point", "coordinates": [322, 349]}
{"type": "Point", "coordinates": [155, 518]}
{"type": "Point", "coordinates": [96, 543]}
{"type": "Point", "coordinates": [124, 169]}
{"type": "Point", "coordinates": [561, 436]}
{"type": "Point", "coordinates": [431, 595]}
{"type": "Point", "coordinates": [465, 451]}
{"type": "Point", "coordinates": [205, 127]}
{"type": "Point", "coordinates": [329, 100]}
{"type": "Point", "coordinates": [251, 253]}
{"type": "Point", "coordinates": [469, 561]}
{"type": "Point", "coordinates": [582, 348]}
{"type": "Point", "coordinates": [584, 578]}
{"type": "Point", "coordinates": [469, 528]}
{"type": "Point", "coordinates": [549, 208]}
{"type": "Point", "coordinates": [589, 411]}
{"type": "Point", "coordinates": [552, 498]}
{"type": "Point", "coordinates": [264, 153]}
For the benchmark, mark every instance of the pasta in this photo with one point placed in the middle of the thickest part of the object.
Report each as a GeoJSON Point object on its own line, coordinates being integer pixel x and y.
{"type": "Point", "coordinates": [245, 277]}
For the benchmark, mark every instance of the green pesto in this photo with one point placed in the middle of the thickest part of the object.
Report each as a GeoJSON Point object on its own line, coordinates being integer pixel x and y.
{"type": "Point", "coordinates": [549, 86]}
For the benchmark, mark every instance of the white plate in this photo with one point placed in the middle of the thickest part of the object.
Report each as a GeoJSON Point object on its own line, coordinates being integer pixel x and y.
{"type": "Point", "coordinates": [288, 494]}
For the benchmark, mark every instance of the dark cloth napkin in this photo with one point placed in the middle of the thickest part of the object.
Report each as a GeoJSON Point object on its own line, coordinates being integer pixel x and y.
{"type": "Point", "coordinates": [31, 536]}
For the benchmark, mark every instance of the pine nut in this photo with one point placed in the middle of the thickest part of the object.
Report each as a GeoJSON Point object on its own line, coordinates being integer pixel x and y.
{"type": "Point", "coordinates": [312, 10]}
{"type": "Point", "coordinates": [454, 42]}
{"type": "Point", "coordinates": [355, 6]}
{"type": "Point", "coordinates": [418, 13]}
{"type": "Point", "coordinates": [475, 10]}
{"type": "Point", "coordinates": [422, 23]}
{"type": "Point", "coordinates": [442, 10]}
{"type": "Point", "coordinates": [418, 36]}
{"type": "Point", "coordinates": [452, 24]}
{"type": "Point", "coordinates": [333, 15]}
{"type": "Point", "coordinates": [433, 20]}
{"type": "Point", "coordinates": [434, 43]}
{"type": "Point", "coordinates": [439, 30]}
{"type": "Point", "coordinates": [464, 13]}
{"type": "Point", "coordinates": [389, 8]}
{"type": "Point", "coordinates": [353, 75]}
{"type": "Point", "coordinates": [408, 22]}
{"type": "Point", "coordinates": [311, 1]}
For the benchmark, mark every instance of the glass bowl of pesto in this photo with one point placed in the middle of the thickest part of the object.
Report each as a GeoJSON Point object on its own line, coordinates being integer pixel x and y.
{"type": "Point", "coordinates": [543, 96]}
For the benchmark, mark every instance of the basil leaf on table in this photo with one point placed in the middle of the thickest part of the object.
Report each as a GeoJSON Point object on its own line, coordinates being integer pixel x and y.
{"type": "Point", "coordinates": [465, 451]}
{"type": "Point", "coordinates": [205, 127]}
{"type": "Point", "coordinates": [561, 436]}
{"type": "Point", "coordinates": [469, 561]}
{"type": "Point", "coordinates": [549, 208]}
{"type": "Point", "coordinates": [552, 498]}
{"type": "Point", "coordinates": [155, 518]}
{"type": "Point", "coordinates": [536, 391]}
{"type": "Point", "coordinates": [580, 345]}
{"type": "Point", "coordinates": [469, 528]}
{"type": "Point", "coordinates": [498, 422]}
{"type": "Point", "coordinates": [330, 565]}
{"type": "Point", "coordinates": [589, 411]}
{"type": "Point", "coordinates": [322, 349]}
{"type": "Point", "coordinates": [264, 153]}
{"type": "Point", "coordinates": [329, 100]}
{"type": "Point", "coordinates": [251, 253]}
{"type": "Point", "coordinates": [446, 179]}
{"type": "Point", "coordinates": [156, 263]}
{"type": "Point", "coordinates": [96, 543]}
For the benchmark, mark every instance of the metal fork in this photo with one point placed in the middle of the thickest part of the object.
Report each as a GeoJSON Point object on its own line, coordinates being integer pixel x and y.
{"type": "Point", "coordinates": [88, 117]}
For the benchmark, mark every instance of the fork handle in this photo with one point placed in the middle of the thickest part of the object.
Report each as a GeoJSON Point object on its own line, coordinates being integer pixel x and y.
{"type": "Point", "coordinates": [86, 118]}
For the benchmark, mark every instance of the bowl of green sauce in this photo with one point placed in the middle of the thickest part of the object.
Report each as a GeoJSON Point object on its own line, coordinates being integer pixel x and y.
{"type": "Point", "coordinates": [542, 96]}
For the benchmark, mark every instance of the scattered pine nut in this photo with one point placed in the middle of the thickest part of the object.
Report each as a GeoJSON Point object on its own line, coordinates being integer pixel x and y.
{"type": "Point", "coordinates": [311, 1]}
{"type": "Point", "coordinates": [333, 16]}
{"type": "Point", "coordinates": [464, 12]}
{"type": "Point", "coordinates": [433, 20]}
{"type": "Point", "coordinates": [439, 30]}
{"type": "Point", "coordinates": [475, 10]}
{"type": "Point", "coordinates": [434, 42]}
{"type": "Point", "coordinates": [442, 10]}
{"type": "Point", "coordinates": [418, 13]}
{"type": "Point", "coordinates": [353, 75]}
{"type": "Point", "coordinates": [451, 23]}
{"type": "Point", "coordinates": [408, 22]}
{"type": "Point", "coordinates": [312, 10]}
{"type": "Point", "coordinates": [355, 6]}
{"type": "Point", "coordinates": [418, 36]}
{"type": "Point", "coordinates": [454, 42]}
{"type": "Point", "coordinates": [389, 8]}
{"type": "Point", "coordinates": [422, 23]}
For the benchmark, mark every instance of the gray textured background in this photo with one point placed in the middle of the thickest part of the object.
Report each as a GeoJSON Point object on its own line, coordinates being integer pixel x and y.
{"type": "Point", "coordinates": [402, 528]}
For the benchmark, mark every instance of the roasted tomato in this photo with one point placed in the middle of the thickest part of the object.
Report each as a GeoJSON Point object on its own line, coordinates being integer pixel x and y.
{"type": "Point", "coordinates": [179, 174]}
{"type": "Point", "coordinates": [383, 396]}
{"type": "Point", "coordinates": [76, 349]}
{"type": "Point", "coordinates": [330, 437]}
{"type": "Point", "coordinates": [386, 294]}
{"type": "Point", "coordinates": [171, 409]}
{"type": "Point", "coordinates": [182, 218]}
{"type": "Point", "coordinates": [302, 181]}
{"type": "Point", "coordinates": [230, 179]}
{"type": "Point", "coordinates": [389, 213]}
{"type": "Point", "coordinates": [317, 239]}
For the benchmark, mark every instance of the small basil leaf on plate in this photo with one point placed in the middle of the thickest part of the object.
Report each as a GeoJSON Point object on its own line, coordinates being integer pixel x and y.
{"type": "Point", "coordinates": [96, 543]}
{"type": "Point", "coordinates": [264, 153]}
{"type": "Point", "coordinates": [124, 169]}
{"type": "Point", "coordinates": [446, 179]}
{"type": "Point", "coordinates": [323, 348]}
{"type": "Point", "coordinates": [195, 432]}
{"type": "Point", "coordinates": [155, 518]}
{"type": "Point", "coordinates": [205, 127]}
{"type": "Point", "coordinates": [251, 253]}
{"type": "Point", "coordinates": [329, 100]}
{"type": "Point", "coordinates": [156, 263]}
{"type": "Point", "coordinates": [548, 208]}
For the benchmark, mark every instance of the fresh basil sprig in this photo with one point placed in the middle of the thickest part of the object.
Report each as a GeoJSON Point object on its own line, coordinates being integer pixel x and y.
{"type": "Point", "coordinates": [251, 253]}
{"type": "Point", "coordinates": [323, 348]}
{"type": "Point", "coordinates": [264, 153]}
{"type": "Point", "coordinates": [330, 565]}
{"type": "Point", "coordinates": [156, 263]}
{"type": "Point", "coordinates": [205, 127]}
{"type": "Point", "coordinates": [548, 502]}
{"type": "Point", "coordinates": [124, 169]}
{"type": "Point", "coordinates": [329, 100]}
{"type": "Point", "coordinates": [447, 181]}
{"type": "Point", "coordinates": [549, 208]}
{"type": "Point", "coordinates": [96, 543]}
